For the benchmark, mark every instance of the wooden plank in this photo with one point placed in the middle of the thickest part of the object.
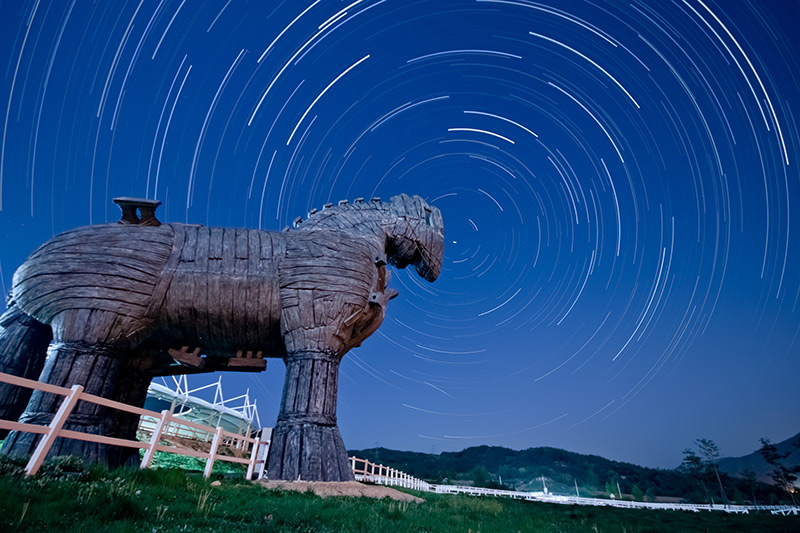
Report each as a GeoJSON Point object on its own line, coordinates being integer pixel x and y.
{"type": "Point", "coordinates": [265, 245]}
{"type": "Point", "coordinates": [185, 281]}
{"type": "Point", "coordinates": [318, 387]}
{"type": "Point", "coordinates": [291, 454]}
{"type": "Point", "coordinates": [243, 364]}
{"type": "Point", "coordinates": [290, 316]}
{"type": "Point", "coordinates": [45, 285]}
{"type": "Point", "coordinates": [182, 451]}
{"type": "Point", "coordinates": [190, 245]}
{"type": "Point", "coordinates": [330, 281]}
{"type": "Point", "coordinates": [306, 308]}
{"type": "Point", "coordinates": [86, 397]}
{"type": "Point", "coordinates": [159, 293]}
{"type": "Point", "coordinates": [214, 284]}
{"type": "Point", "coordinates": [316, 337]}
{"type": "Point", "coordinates": [276, 452]}
{"type": "Point", "coordinates": [242, 249]}
{"type": "Point", "coordinates": [20, 426]}
{"type": "Point", "coordinates": [82, 264]}
{"type": "Point", "coordinates": [90, 437]}
{"type": "Point", "coordinates": [303, 385]}
{"type": "Point", "coordinates": [330, 468]}
{"type": "Point", "coordinates": [252, 290]}
{"type": "Point", "coordinates": [264, 311]}
{"type": "Point", "coordinates": [200, 294]}
{"type": "Point", "coordinates": [191, 359]}
{"type": "Point", "coordinates": [215, 243]}
{"type": "Point", "coordinates": [239, 295]}
{"type": "Point", "coordinates": [212, 454]}
{"type": "Point", "coordinates": [330, 391]}
{"type": "Point", "coordinates": [293, 371]}
{"type": "Point", "coordinates": [45, 310]}
{"type": "Point", "coordinates": [127, 249]}
{"type": "Point", "coordinates": [340, 456]}
{"type": "Point", "coordinates": [322, 301]}
{"type": "Point", "coordinates": [228, 249]}
{"type": "Point", "coordinates": [229, 459]}
{"type": "Point", "coordinates": [46, 442]}
{"type": "Point", "coordinates": [311, 446]}
{"type": "Point", "coordinates": [227, 284]}
{"type": "Point", "coordinates": [94, 235]}
{"type": "Point", "coordinates": [202, 249]}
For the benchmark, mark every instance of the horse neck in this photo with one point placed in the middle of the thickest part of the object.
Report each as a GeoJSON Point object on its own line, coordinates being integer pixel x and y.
{"type": "Point", "coordinates": [370, 219]}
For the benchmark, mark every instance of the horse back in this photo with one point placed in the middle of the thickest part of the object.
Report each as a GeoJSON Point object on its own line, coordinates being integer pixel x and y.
{"type": "Point", "coordinates": [110, 267]}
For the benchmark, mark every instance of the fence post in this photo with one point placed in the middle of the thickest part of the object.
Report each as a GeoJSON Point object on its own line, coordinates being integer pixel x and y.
{"type": "Point", "coordinates": [157, 431]}
{"type": "Point", "coordinates": [55, 426]}
{"type": "Point", "coordinates": [212, 455]}
{"type": "Point", "coordinates": [253, 457]}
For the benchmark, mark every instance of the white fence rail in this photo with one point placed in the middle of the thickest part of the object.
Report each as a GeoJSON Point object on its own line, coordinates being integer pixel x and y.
{"type": "Point", "coordinates": [164, 426]}
{"type": "Point", "coordinates": [364, 470]}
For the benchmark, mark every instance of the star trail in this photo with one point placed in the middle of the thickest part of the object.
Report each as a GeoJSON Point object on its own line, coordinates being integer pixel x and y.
{"type": "Point", "coordinates": [618, 182]}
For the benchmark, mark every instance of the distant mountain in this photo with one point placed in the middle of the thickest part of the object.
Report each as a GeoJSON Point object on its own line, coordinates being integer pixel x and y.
{"type": "Point", "coordinates": [734, 466]}
{"type": "Point", "coordinates": [562, 472]}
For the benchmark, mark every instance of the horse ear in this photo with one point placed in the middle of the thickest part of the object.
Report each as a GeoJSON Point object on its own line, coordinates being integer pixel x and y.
{"type": "Point", "coordinates": [403, 204]}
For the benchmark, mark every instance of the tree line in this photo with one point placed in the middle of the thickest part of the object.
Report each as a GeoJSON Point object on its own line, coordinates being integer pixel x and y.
{"type": "Point", "coordinates": [698, 479]}
{"type": "Point", "coordinates": [702, 465]}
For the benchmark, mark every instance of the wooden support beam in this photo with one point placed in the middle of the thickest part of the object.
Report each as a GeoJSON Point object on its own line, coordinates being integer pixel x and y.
{"type": "Point", "coordinates": [184, 357]}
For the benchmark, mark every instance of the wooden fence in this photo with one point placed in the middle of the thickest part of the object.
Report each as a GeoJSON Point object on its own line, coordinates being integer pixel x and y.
{"type": "Point", "coordinates": [365, 470]}
{"type": "Point", "coordinates": [165, 426]}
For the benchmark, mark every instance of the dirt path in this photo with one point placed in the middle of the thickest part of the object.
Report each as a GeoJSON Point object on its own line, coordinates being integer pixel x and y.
{"type": "Point", "coordinates": [342, 488]}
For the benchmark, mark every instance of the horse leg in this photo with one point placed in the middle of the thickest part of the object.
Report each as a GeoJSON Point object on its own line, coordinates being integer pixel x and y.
{"type": "Point", "coordinates": [23, 347]}
{"type": "Point", "coordinates": [131, 389]}
{"type": "Point", "coordinates": [306, 442]}
{"type": "Point", "coordinates": [83, 352]}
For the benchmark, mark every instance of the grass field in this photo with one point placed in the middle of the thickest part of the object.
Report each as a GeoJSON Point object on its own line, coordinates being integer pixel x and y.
{"type": "Point", "coordinates": [68, 498]}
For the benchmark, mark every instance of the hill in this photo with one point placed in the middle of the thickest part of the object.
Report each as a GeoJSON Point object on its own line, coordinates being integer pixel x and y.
{"type": "Point", "coordinates": [734, 466]}
{"type": "Point", "coordinates": [563, 472]}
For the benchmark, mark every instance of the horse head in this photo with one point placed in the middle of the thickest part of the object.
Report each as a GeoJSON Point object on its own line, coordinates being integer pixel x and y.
{"type": "Point", "coordinates": [418, 236]}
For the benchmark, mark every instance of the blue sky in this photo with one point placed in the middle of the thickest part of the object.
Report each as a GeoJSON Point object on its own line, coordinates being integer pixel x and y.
{"type": "Point", "coordinates": [618, 182]}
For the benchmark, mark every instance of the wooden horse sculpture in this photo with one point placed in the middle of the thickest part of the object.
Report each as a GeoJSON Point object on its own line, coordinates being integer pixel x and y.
{"type": "Point", "coordinates": [111, 306]}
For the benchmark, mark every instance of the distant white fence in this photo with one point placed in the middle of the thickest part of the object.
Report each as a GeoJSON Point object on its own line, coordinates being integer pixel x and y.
{"type": "Point", "coordinates": [162, 426]}
{"type": "Point", "coordinates": [364, 470]}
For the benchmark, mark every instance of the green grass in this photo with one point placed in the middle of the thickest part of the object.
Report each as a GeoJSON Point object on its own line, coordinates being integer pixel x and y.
{"type": "Point", "coordinates": [68, 498]}
{"type": "Point", "coordinates": [184, 462]}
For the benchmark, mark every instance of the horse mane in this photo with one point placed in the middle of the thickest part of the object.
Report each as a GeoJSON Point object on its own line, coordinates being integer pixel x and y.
{"type": "Point", "coordinates": [340, 216]}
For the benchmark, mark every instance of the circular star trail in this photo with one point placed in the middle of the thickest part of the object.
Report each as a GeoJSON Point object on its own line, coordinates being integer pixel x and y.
{"type": "Point", "coordinates": [618, 182]}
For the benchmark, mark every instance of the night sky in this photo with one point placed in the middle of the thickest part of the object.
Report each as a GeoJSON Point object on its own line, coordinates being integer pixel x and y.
{"type": "Point", "coordinates": [619, 184]}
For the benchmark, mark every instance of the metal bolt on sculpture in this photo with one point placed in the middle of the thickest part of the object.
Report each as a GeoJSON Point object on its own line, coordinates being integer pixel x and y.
{"type": "Point", "coordinates": [111, 306]}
